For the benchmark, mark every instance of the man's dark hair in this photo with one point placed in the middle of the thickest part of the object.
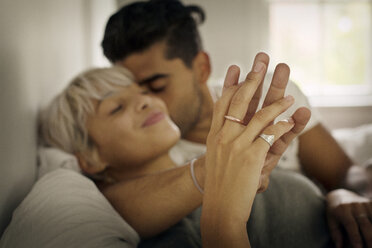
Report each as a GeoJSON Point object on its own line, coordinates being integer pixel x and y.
{"type": "Point", "coordinates": [137, 26]}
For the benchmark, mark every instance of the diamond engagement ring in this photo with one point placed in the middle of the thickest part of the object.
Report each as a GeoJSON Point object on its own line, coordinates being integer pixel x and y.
{"type": "Point", "coordinates": [231, 118]}
{"type": "Point", "coordinates": [268, 138]}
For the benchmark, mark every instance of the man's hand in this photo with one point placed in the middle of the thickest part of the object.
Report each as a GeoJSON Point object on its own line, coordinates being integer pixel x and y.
{"type": "Point", "coordinates": [351, 214]}
{"type": "Point", "coordinates": [276, 91]}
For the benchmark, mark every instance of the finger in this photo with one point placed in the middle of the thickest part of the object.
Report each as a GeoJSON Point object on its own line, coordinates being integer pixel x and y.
{"type": "Point", "coordinates": [261, 146]}
{"type": "Point", "coordinates": [263, 117]}
{"type": "Point", "coordinates": [264, 183]}
{"type": "Point", "coordinates": [352, 229]}
{"type": "Point", "coordinates": [231, 78]}
{"type": "Point", "coordinates": [243, 96]}
{"type": "Point", "coordinates": [221, 105]}
{"type": "Point", "coordinates": [252, 108]}
{"type": "Point", "coordinates": [241, 99]}
{"type": "Point", "coordinates": [278, 84]}
{"type": "Point", "coordinates": [335, 231]}
{"type": "Point", "coordinates": [301, 117]}
{"type": "Point", "coordinates": [362, 217]}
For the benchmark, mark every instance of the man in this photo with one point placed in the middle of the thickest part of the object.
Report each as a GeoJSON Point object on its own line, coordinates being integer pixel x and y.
{"type": "Point", "coordinates": [159, 42]}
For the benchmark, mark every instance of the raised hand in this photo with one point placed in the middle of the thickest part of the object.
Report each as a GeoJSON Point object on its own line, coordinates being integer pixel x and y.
{"type": "Point", "coordinates": [236, 155]}
{"type": "Point", "coordinates": [275, 92]}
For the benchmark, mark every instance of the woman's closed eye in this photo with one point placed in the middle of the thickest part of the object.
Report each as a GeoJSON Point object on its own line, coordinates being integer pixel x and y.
{"type": "Point", "coordinates": [116, 109]}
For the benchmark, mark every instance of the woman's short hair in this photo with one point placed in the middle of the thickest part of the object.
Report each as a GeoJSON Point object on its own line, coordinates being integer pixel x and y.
{"type": "Point", "coordinates": [63, 122]}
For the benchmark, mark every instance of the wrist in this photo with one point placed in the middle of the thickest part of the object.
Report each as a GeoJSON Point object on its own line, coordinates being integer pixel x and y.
{"type": "Point", "coordinates": [218, 231]}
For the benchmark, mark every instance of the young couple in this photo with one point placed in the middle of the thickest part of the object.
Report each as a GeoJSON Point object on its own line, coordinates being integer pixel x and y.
{"type": "Point", "coordinates": [121, 127]}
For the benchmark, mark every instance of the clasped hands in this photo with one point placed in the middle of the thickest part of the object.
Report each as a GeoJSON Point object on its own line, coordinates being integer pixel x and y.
{"type": "Point", "coordinates": [238, 161]}
{"type": "Point", "coordinates": [241, 100]}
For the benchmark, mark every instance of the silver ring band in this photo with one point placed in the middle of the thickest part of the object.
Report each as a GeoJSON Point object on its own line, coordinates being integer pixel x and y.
{"type": "Point", "coordinates": [268, 138]}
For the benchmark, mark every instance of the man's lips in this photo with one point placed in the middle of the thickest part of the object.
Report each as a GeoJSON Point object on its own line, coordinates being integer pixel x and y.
{"type": "Point", "coordinates": [153, 118]}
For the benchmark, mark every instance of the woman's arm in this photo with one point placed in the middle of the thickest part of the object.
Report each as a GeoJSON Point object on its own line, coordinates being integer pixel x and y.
{"type": "Point", "coordinates": [153, 203]}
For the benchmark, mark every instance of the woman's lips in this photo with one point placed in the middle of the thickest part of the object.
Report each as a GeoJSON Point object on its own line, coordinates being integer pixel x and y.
{"type": "Point", "coordinates": [153, 118]}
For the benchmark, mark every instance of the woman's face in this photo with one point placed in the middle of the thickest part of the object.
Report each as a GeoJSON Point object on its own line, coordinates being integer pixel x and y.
{"type": "Point", "coordinates": [130, 127]}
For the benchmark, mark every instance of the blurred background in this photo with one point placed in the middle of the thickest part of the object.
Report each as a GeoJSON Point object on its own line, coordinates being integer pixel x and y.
{"type": "Point", "coordinates": [45, 43]}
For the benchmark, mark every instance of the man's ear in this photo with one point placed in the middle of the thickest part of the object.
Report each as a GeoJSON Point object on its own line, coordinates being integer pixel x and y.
{"type": "Point", "coordinates": [90, 162]}
{"type": "Point", "coordinates": [202, 66]}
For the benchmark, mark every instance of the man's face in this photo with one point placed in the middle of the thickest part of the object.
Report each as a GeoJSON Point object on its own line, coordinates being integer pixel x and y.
{"type": "Point", "coordinates": [176, 84]}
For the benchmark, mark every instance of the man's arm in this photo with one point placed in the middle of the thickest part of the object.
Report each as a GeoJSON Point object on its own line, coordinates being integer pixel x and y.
{"type": "Point", "coordinates": [322, 158]}
{"type": "Point", "coordinates": [151, 204]}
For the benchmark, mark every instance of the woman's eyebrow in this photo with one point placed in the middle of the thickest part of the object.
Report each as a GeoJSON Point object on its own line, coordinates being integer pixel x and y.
{"type": "Point", "coordinates": [152, 78]}
{"type": "Point", "coordinates": [104, 97]}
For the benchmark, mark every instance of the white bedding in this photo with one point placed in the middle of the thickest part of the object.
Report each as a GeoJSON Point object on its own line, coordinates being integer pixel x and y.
{"type": "Point", "coordinates": [357, 143]}
{"type": "Point", "coordinates": [65, 209]}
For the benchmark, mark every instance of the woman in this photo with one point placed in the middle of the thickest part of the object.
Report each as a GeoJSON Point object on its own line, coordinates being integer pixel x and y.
{"type": "Point", "coordinates": [121, 136]}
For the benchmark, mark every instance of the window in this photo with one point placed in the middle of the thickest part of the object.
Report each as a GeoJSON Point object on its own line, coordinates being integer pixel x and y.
{"type": "Point", "coordinates": [328, 45]}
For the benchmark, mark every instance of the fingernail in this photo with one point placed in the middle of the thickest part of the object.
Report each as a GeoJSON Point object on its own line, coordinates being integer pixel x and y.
{"type": "Point", "coordinates": [289, 98]}
{"type": "Point", "coordinates": [289, 120]}
{"type": "Point", "coordinates": [258, 66]}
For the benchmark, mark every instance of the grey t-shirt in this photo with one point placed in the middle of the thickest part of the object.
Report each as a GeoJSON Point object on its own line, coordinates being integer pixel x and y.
{"type": "Point", "coordinates": [291, 213]}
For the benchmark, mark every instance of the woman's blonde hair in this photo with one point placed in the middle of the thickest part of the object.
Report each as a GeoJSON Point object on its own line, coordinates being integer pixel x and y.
{"type": "Point", "coordinates": [63, 122]}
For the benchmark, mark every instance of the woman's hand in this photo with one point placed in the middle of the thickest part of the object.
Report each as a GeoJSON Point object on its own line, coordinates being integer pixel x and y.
{"type": "Point", "coordinates": [351, 214]}
{"type": "Point", "coordinates": [236, 156]}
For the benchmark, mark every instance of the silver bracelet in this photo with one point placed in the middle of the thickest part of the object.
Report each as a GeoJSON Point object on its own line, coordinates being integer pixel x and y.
{"type": "Point", "coordinates": [194, 177]}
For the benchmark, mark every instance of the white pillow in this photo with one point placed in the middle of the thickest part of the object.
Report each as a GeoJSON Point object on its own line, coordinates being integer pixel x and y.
{"type": "Point", "coordinates": [50, 159]}
{"type": "Point", "coordinates": [65, 209]}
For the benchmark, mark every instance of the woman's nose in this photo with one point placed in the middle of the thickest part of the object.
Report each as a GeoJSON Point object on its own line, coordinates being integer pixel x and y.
{"type": "Point", "coordinates": [143, 102]}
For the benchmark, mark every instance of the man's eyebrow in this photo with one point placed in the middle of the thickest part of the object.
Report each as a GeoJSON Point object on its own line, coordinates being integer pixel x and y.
{"type": "Point", "coordinates": [152, 78]}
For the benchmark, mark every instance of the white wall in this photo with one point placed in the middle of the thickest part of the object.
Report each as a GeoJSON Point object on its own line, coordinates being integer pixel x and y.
{"type": "Point", "coordinates": [231, 35]}
{"type": "Point", "coordinates": [43, 45]}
